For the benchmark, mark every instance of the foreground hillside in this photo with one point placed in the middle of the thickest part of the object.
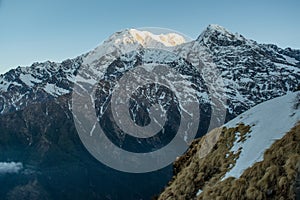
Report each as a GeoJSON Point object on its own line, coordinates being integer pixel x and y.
{"type": "Point", "coordinates": [254, 156]}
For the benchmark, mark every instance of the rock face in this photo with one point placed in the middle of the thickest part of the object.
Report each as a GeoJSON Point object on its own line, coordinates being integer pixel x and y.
{"type": "Point", "coordinates": [248, 161]}
{"type": "Point", "coordinates": [40, 82]}
{"type": "Point", "coordinates": [251, 72]}
{"type": "Point", "coordinates": [36, 123]}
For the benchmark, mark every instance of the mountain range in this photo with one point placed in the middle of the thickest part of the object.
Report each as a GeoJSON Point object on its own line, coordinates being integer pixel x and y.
{"type": "Point", "coordinates": [42, 156]}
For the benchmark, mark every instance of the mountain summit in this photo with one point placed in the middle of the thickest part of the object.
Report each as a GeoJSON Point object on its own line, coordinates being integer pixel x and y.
{"type": "Point", "coordinates": [145, 37]}
{"type": "Point", "coordinates": [215, 33]}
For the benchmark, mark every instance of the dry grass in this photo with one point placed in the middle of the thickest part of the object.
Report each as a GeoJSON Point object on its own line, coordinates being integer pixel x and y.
{"type": "Point", "coordinates": [272, 178]}
{"type": "Point", "coordinates": [192, 171]}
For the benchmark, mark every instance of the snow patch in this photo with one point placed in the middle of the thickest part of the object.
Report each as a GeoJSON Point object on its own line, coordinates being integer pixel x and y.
{"type": "Point", "coordinates": [199, 192]}
{"type": "Point", "coordinates": [290, 59]}
{"type": "Point", "coordinates": [54, 90]}
{"type": "Point", "coordinates": [29, 80]}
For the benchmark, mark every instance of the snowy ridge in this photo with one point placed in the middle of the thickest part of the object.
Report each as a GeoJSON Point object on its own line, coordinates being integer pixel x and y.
{"type": "Point", "coordinates": [269, 121]}
{"type": "Point", "coordinates": [251, 72]}
{"type": "Point", "coordinates": [118, 43]}
{"type": "Point", "coordinates": [222, 34]}
{"type": "Point", "coordinates": [41, 81]}
{"type": "Point", "coordinates": [145, 37]}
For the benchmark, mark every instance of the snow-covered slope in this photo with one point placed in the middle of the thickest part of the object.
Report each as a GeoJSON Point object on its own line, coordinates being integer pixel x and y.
{"type": "Point", "coordinates": [269, 122]}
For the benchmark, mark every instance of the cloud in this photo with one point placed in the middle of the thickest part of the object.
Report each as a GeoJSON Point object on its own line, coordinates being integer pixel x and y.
{"type": "Point", "coordinates": [10, 167]}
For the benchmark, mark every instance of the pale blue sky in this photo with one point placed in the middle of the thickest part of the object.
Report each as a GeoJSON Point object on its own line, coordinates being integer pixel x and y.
{"type": "Point", "coordinates": [40, 30]}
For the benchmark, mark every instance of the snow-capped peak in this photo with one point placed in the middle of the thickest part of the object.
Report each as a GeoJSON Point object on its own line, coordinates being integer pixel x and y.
{"type": "Point", "coordinates": [143, 37]}
{"type": "Point", "coordinates": [169, 39]}
{"type": "Point", "coordinates": [214, 30]}
{"type": "Point", "coordinates": [216, 27]}
{"type": "Point", "coordinates": [129, 40]}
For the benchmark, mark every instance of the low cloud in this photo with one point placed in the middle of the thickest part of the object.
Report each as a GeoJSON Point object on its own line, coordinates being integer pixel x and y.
{"type": "Point", "coordinates": [10, 167]}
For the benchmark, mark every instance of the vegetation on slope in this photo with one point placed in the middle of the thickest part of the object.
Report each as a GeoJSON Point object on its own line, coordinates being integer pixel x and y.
{"type": "Point", "coordinates": [193, 172]}
{"type": "Point", "coordinates": [273, 178]}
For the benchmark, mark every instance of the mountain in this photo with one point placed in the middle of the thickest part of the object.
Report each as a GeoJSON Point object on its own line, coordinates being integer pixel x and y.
{"type": "Point", "coordinates": [251, 72]}
{"type": "Point", "coordinates": [41, 152]}
{"type": "Point", "coordinates": [254, 156]}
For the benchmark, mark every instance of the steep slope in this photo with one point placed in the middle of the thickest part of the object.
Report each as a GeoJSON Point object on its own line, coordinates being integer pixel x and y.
{"type": "Point", "coordinates": [254, 156]}
{"type": "Point", "coordinates": [252, 72]}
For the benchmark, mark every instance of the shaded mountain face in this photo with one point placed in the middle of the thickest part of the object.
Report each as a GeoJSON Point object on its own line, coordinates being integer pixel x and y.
{"type": "Point", "coordinates": [36, 122]}
{"type": "Point", "coordinates": [55, 163]}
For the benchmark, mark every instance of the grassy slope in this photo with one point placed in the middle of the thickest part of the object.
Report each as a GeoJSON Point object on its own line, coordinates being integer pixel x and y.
{"type": "Point", "coordinates": [272, 178]}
